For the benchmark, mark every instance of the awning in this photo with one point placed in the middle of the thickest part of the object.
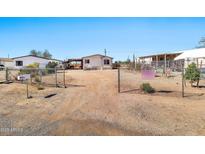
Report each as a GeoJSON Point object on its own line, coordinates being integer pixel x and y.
{"type": "Point", "coordinates": [193, 53]}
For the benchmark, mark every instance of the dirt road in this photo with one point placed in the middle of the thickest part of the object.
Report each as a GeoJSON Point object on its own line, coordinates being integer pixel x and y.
{"type": "Point", "coordinates": [91, 105]}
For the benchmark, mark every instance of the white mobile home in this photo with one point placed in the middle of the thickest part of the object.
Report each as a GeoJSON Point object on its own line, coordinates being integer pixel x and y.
{"type": "Point", "coordinates": [23, 61]}
{"type": "Point", "coordinates": [97, 61]}
{"type": "Point", "coordinates": [196, 56]}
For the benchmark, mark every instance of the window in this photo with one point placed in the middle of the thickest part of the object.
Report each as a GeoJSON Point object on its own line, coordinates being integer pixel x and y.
{"type": "Point", "coordinates": [87, 61]}
{"type": "Point", "coordinates": [106, 62]}
{"type": "Point", "coordinates": [19, 63]}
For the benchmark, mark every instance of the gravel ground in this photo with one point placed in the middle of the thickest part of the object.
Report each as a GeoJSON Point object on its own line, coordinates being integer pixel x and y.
{"type": "Point", "coordinates": [91, 105]}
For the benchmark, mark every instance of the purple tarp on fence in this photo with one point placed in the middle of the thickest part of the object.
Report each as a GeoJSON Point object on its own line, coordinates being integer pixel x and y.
{"type": "Point", "coordinates": [148, 74]}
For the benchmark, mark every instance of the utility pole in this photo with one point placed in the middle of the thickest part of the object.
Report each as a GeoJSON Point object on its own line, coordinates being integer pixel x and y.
{"type": "Point", "coordinates": [105, 51]}
{"type": "Point", "coordinates": [134, 61]}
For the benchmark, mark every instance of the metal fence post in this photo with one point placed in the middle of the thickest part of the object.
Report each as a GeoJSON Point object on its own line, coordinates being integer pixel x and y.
{"type": "Point", "coordinates": [182, 79]}
{"type": "Point", "coordinates": [118, 79]}
{"type": "Point", "coordinates": [64, 78]}
{"type": "Point", "coordinates": [27, 90]}
{"type": "Point", "coordinates": [56, 77]}
{"type": "Point", "coordinates": [40, 75]}
{"type": "Point", "coordinates": [7, 74]}
{"type": "Point", "coordinates": [165, 65]}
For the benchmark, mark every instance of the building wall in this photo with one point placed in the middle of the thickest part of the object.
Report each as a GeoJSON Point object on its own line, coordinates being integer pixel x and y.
{"type": "Point", "coordinates": [107, 66]}
{"type": "Point", "coordinates": [200, 63]}
{"type": "Point", "coordinates": [30, 60]}
{"type": "Point", "coordinates": [145, 60]}
{"type": "Point", "coordinates": [97, 62]}
{"type": "Point", "coordinates": [148, 60]}
{"type": "Point", "coordinates": [7, 63]}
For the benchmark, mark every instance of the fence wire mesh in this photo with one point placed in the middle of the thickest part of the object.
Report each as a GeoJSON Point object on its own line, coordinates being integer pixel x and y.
{"type": "Point", "coordinates": [166, 77]}
{"type": "Point", "coordinates": [46, 77]}
{"type": "Point", "coordinates": [2, 74]}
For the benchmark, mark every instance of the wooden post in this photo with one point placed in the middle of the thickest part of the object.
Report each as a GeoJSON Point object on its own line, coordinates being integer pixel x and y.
{"type": "Point", "coordinates": [56, 77]}
{"type": "Point", "coordinates": [118, 79]}
{"type": "Point", "coordinates": [156, 65]}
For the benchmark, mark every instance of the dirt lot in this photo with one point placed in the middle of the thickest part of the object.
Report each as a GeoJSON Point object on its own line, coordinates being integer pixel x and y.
{"type": "Point", "coordinates": [91, 105]}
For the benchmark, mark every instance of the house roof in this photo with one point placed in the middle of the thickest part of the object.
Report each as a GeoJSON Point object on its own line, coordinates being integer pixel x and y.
{"type": "Point", "coordinates": [37, 57]}
{"type": "Point", "coordinates": [193, 53]}
{"type": "Point", "coordinates": [97, 55]}
{"type": "Point", "coordinates": [6, 59]}
{"type": "Point", "coordinates": [161, 54]}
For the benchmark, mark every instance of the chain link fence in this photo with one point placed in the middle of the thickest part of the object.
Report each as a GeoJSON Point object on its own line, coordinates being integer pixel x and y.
{"type": "Point", "coordinates": [34, 79]}
{"type": "Point", "coordinates": [167, 78]}
{"type": "Point", "coordinates": [2, 75]}
{"type": "Point", "coordinates": [54, 77]}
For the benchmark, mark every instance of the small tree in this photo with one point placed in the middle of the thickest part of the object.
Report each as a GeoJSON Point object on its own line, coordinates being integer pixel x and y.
{"type": "Point", "coordinates": [192, 73]}
{"type": "Point", "coordinates": [201, 43]}
{"type": "Point", "coordinates": [51, 65]}
{"type": "Point", "coordinates": [47, 54]}
{"type": "Point", "coordinates": [34, 52]}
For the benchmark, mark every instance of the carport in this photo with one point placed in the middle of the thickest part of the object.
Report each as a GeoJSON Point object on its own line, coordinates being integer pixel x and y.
{"type": "Point", "coordinates": [76, 63]}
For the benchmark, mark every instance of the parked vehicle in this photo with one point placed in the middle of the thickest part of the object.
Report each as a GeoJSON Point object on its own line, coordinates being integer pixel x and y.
{"type": "Point", "coordinates": [1, 67]}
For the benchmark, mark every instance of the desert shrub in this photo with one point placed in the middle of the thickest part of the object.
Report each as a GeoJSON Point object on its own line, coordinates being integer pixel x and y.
{"type": "Point", "coordinates": [37, 79]}
{"type": "Point", "coordinates": [51, 65]}
{"type": "Point", "coordinates": [147, 88]}
{"type": "Point", "coordinates": [32, 72]}
{"type": "Point", "coordinates": [192, 73]}
{"type": "Point", "coordinates": [34, 65]}
{"type": "Point", "coordinates": [40, 87]}
{"type": "Point", "coordinates": [138, 67]}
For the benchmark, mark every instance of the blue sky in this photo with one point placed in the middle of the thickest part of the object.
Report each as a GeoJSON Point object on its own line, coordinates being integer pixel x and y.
{"type": "Point", "coordinates": [77, 37]}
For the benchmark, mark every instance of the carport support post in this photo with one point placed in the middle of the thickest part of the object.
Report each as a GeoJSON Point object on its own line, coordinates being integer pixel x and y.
{"type": "Point", "coordinates": [118, 79]}
{"type": "Point", "coordinates": [156, 65]}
